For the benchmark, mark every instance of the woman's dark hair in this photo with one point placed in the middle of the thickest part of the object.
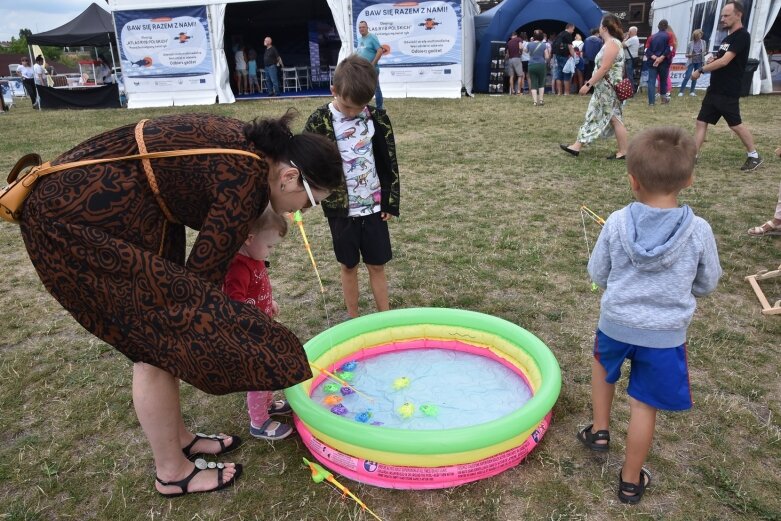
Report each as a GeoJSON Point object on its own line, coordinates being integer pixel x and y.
{"type": "Point", "coordinates": [538, 35]}
{"type": "Point", "coordinates": [522, 36]}
{"type": "Point", "coordinates": [613, 26]}
{"type": "Point", "coordinates": [316, 156]}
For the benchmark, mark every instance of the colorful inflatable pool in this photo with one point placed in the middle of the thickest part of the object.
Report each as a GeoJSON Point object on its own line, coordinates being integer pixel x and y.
{"type": "Point", "coordinates": [404, 424]}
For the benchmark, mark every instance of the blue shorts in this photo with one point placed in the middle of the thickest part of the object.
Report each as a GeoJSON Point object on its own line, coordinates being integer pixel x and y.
{"type": "Point", "coordinates": [657, 377]}
{"type": "Point", "coordinates": [560, 62]}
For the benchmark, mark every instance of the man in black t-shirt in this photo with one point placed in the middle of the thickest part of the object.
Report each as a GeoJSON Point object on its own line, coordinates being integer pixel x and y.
{"type": "Point", "coordinates": [271, 59]}
{"type": "Point", "coordinates": [563, 50]}
{"type": "Point", "coordinates": [727, 69]}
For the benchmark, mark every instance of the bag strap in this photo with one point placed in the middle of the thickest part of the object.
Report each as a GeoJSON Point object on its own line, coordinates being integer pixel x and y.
{"type": "Point", "coordinates": [36, 172]}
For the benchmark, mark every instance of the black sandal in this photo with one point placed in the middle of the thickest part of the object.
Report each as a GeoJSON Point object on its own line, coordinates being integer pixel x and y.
{"type": "Point", "coordinates": [200, 465]}
{"type": "Point", "coordinates": [636, 491]}
{"type": "Point", "coordinates": [589, 439]}
{"type": "Point", "coordinates": [212, 437]}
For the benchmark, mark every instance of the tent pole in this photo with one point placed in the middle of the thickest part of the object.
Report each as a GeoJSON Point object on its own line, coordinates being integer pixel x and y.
{"type": "Point", "coordinates": [113, 66]}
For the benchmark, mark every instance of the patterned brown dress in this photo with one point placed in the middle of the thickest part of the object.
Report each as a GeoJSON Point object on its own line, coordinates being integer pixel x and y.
{"type": "Point", "coordinates": [104, 249]}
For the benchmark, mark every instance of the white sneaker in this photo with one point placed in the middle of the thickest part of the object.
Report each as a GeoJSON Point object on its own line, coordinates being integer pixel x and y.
{"type": "Point", "coordinates": [693, 94]}
{"type": "Point", "coordinates": [680, 94]}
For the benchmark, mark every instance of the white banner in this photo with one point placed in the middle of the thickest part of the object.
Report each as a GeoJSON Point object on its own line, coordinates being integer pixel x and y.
{"type": "Point", "coordinates": [165, 49]}
{"type": "Point", "coordinates": [422, 39]}
{"type": "Point", "coordinates": [678, 70]}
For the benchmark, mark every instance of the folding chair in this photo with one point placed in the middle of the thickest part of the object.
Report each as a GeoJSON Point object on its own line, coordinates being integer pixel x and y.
{"type": "Point", "coordinates": [304, 80]}
{"type": "Point", "coordinates": [290, 79]}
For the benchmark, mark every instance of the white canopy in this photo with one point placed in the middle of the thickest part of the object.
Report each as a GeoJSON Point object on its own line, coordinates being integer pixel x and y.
{"type": "Point", "coordinates": [344, 23]}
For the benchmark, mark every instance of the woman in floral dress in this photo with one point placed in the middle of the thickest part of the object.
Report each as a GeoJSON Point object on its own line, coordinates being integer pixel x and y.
{"type": "Point", "coordinates": [604, 117]}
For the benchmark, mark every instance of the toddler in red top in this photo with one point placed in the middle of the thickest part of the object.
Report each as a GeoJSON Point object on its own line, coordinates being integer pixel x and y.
{"type": "Point", "coordinates": [247, 281]}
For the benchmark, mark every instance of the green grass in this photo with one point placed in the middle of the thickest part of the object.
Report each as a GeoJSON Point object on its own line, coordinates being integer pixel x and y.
{"type": "Point", "coordinates": [490, 222]}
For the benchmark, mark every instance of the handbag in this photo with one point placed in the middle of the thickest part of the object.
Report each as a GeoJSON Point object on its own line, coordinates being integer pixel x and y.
{"type": "Point", "coordinates": [21, 184]}
{"type": "Point", "coordinates": [569, 67]}
{"type": "Point", "coordinates": [624, 89]}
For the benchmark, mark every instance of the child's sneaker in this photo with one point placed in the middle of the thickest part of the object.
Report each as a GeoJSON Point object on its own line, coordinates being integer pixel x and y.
{"type": "Point", "coordinates": [280, 408]}
{"type": "Point", "coordinates": [271, 430]}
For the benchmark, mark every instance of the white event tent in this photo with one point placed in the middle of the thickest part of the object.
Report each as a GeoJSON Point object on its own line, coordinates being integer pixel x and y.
{"type": "Point", "coordinates": [153, 74]}
{"type": "Point", "coordinates": [759, 18]}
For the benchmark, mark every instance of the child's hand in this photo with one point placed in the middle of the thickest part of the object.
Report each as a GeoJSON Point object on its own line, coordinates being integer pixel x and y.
{"type": "Point", "coordinates": [274, 308]}
{"type": "Point", "coordinates": [778, 151]}
{"type": "Point", "coordinates": [385, 216]}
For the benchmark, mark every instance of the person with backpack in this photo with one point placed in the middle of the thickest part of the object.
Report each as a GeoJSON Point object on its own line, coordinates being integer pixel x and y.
{"type": "Point", "coordinates": [563, 50]}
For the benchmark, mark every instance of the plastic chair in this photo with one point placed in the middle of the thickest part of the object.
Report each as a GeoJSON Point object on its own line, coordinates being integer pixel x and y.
{"type": "Point", "coordinates": [290, 79]}
{"type": "Point", "coordinates": [262, 80]}
{"type": "Point", "coordinates": [331, 70]}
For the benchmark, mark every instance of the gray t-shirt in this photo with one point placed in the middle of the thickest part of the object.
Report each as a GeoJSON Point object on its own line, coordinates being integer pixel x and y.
{"type": "Point", "coordinates": [631, 47]}
{"type": "Point", "coordinates": [536, 51]}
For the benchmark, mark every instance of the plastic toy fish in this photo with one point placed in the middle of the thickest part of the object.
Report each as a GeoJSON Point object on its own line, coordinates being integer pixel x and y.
{"type": "Point", "coordinates": [319, 474]}
{"type": "Point", "coordinates": [400, 383]}
{"type": "Point", "coordinates": [346, 391]}
{"type": "Point", "coordinates": [341, 381]}
{"type": "Point", "coordinates": [406, 410]}
{"type": "Point", "coordinates": [349, 366]}
{"type": "Point", "coordinates": [347, 376]}
{"type": "Point", "coordinates": [331, 388]}
{"type": "Point", "coordinates": [429, 409]}
{"type": "Point", "coordinates": [339, 410]}
{"type": "Point", "coordinates": [363, 417]}
{"type": "Point", "coordinates": [332, 399]}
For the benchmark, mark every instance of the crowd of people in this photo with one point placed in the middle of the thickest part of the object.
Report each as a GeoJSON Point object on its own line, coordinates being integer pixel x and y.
{"type": "Point", "coordinates": [220, 298]}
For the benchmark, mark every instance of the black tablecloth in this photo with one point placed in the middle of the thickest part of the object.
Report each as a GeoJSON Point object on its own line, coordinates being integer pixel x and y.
{"type": "Point", "coordinates": [105, 97]}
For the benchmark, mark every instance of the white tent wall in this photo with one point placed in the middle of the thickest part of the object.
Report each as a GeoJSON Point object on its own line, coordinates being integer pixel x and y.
{"type": "Point", "coordinates": [342, 14]}
{"type": "Point", "coordinates": [763, 14]}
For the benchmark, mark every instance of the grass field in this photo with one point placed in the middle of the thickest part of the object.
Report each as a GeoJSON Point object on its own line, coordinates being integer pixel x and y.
{"type": "Point", "coordinates": [490, 222]}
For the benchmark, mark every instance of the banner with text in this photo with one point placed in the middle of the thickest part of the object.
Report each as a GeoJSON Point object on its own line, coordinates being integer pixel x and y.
{"type": "Point", "coordinates": [422, 39]}
{"type": "Point", "coordinates": [165, 49]}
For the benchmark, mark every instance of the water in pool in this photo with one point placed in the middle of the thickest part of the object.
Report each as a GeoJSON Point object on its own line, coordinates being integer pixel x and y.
{"type": "Point", "coordinates": [424, 389]}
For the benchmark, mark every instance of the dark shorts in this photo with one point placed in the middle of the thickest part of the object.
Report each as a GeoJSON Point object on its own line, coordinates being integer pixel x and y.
{"type": "Point", "coordinates": [716, 106]}
{"type": "Point", "coordinates": [356, 237]}
{"type": "Point", "coordinates": [525, 65]}
{"type": "Point", "coordinates": [657, 377]}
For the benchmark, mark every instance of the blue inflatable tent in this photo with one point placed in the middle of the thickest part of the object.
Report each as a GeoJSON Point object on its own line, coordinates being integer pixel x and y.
{"type": "Point", "coordinates": [498, 23]}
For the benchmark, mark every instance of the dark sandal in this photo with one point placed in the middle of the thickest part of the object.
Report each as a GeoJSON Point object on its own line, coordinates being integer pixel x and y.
{"type": "Point", "coordinates": [636, 491]}
{"type": "Point", "coordinates": [568, 150]}
{"type": "Point", "coordinates": [200, 465]}
{"type": "Point", "coordinates": [212, 437]}
{"type": "Point", "coordinates": [589, 439]}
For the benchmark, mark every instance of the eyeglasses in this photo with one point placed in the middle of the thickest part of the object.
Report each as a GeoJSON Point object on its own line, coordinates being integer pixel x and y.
{"type": "Point", "coordinates": [308, 189]}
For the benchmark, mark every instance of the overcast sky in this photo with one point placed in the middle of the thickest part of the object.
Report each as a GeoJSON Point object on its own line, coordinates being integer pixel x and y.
{"type": "Point", "coordinates": [39, 15]}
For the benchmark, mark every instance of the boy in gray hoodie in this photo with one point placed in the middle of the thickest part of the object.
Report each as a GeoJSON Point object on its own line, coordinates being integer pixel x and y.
{"type": "Point", "coordinates": [652, 258]}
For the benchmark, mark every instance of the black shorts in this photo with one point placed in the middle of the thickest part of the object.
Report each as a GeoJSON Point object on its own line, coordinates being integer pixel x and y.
{"type": "Point", "coordinates": [716, 106]}
{"type": "Point", "coordinates": [356, 237]}
{"type": "Point", "coordinates": [525, 65]}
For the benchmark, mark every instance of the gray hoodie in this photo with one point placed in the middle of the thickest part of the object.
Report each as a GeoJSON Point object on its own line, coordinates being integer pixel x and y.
{"type": "Point", "coordinates": [652, 262]}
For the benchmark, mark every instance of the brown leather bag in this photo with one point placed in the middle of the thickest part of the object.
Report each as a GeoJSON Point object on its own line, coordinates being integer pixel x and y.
{"type": "Point", "coordinates": [21, 184]}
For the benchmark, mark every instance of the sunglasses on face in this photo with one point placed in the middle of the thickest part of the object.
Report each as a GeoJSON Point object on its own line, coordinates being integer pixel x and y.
{"type": "Point", "coordinates": [308, 189]}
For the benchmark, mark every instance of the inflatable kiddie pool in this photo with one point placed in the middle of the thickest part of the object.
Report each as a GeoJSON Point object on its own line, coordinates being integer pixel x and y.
{"type": "Point", "coordinates": [425, 398]}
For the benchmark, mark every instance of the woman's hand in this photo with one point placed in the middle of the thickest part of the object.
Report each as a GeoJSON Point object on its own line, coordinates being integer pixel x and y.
{"type": "Point", "coordinates": [274, 308]}
{"type": "Point", "coordinates": [584, 89]}
{"type": "Point", "coordinates": [385, 216]}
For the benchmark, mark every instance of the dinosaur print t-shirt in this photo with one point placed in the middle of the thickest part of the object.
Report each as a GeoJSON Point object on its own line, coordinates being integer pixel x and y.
{"type": "Point", "coordinates": [354, 139]}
